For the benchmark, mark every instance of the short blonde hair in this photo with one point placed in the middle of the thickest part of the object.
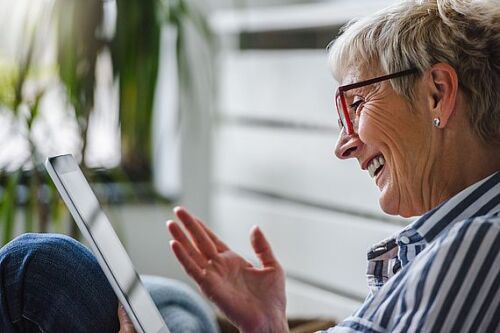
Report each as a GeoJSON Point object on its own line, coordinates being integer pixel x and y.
{"type": "Point", "coordinates": [420, 33]}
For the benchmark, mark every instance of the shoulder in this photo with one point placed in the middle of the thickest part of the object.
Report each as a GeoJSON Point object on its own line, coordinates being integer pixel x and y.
{"type": "Point", "coordinates": [467, 232]}
{"type": "Point", "coordinates": [452, 282]}
{"type": "Point", "coordinates": [462, 249]}
{"type": "Point", "coordinates": [451, 286]}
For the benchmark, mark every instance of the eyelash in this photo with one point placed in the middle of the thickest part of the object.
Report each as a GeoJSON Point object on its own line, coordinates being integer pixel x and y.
{"type": "Point", "coordinates": [355, 105]}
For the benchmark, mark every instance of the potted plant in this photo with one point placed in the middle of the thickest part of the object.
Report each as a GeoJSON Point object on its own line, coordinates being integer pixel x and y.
{"type": "Point", "coordinates": [80, 38]}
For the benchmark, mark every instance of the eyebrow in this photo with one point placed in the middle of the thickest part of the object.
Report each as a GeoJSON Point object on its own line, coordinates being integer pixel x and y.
{"type": "Point", "coordinates": [355, 91]}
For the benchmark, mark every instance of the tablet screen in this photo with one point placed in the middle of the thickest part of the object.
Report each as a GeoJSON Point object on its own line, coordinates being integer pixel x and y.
{"type": "Point", "coordinates": [102, 235]}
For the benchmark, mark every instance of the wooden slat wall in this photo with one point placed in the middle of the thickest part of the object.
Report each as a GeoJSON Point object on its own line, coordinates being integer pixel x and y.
{"type": "Point", "coordinates": [296, 164]}
{"type": "Point", "coordinates": [315, 245]}
{"type": "Point", "coordinates": [274, 166]}
{"type": "Point", "coordinates": [278, 85]}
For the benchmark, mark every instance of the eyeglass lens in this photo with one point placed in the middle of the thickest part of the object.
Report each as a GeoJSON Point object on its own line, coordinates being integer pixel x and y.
{"type": "Point", "coordinates": [343, 121]}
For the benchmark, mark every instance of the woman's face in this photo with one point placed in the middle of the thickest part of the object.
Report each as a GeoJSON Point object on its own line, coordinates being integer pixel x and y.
{"type": "Point", "coordinates": [392, 141]}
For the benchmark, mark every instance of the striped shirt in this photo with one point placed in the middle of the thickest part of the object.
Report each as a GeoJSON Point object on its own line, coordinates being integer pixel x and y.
{"type": "Point", "coordinates": [439, 274]}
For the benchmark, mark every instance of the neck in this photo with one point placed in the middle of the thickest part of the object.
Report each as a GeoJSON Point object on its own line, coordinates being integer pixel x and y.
{"type": "Point", "coordinates": [461, 167]}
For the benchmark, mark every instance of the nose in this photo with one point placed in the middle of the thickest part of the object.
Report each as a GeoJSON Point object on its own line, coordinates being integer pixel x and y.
{"type": "Point", "coordinates": [348, 146]}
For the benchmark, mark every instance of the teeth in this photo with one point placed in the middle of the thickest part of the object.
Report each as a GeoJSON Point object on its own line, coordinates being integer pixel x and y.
{"type": "Point", "coordinates": [375, 164]}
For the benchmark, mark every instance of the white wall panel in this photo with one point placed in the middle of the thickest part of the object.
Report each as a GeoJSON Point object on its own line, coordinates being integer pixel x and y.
{"type": "Point", "coordinates": [310, 14]}
{"type": "Point", "coordinates": [299, 164]}
{"type": "Point", "coordinates": [323, 247]}
{"type": "Point", "coordinates": [305, 301]}
{"type": "Point", "coordinates": [278, 85]}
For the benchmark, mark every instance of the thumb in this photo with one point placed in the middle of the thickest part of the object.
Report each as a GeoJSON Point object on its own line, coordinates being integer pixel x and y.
{"type": "Point", "coordinates": [262, 248]}
{"type": "Point", "coordinates": [126, 325]}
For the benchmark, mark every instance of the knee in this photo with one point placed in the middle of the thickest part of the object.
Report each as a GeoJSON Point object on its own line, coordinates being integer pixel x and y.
{"type": "Point", "coordinates": [33, 238]}
{"type": "Point", "coordinates": [43, 246]}
{"type": "Point", "coordinates": [55, 255]}
{"type": "Point", "coordinates": [40, 240]}
{"type": "Point", "coordinates": [57, 273]}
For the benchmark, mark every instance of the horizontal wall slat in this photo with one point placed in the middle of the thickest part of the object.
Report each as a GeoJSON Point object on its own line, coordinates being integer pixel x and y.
{"type": "Point", "coordinates": [305, 301]}
{"type": "Point", "coordinates": [320, 248]}
{"type": "Point", "coordinates": [292, 163]}
{"type": "Point", "coordinates": [308, 15]}
{"type": "Point", "coordinates": [278, 85]}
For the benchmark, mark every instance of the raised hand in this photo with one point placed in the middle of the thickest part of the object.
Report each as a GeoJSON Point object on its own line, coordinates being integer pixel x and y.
{"type": "Point", "coordinates": [253, 298]}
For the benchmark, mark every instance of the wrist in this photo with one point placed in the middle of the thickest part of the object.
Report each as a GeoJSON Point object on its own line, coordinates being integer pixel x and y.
{"type": "Point", "coordinates": [276, 325]}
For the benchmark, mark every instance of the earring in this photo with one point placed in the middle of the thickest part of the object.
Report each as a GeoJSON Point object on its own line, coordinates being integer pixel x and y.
{"type": "Point", "coordinates": [436, 122]}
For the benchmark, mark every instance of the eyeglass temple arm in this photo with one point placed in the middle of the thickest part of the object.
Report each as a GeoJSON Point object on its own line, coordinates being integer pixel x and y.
{"type": "Point", "coordinates": [377, 79]}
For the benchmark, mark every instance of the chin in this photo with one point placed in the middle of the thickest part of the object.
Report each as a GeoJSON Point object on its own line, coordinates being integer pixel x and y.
{"type": "Point", "coordinates": [388, 207]}
{"type": "Point", "coordinates": [391, 204]}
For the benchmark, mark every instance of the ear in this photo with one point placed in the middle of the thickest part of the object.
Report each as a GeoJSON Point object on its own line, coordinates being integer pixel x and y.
{"type": "Point", "coordinates": [443, 92]}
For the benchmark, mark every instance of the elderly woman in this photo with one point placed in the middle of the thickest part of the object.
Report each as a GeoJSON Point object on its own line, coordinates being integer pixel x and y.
{"type": "Point", "coordinates": [419, 108]}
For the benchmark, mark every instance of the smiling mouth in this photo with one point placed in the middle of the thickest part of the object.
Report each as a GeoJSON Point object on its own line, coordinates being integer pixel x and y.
{"type": "Point", "coordinates": [376, 165]}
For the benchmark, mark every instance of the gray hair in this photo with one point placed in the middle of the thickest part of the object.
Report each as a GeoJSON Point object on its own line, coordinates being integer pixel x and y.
{"type": "Point", "coordinates": [420, 33]}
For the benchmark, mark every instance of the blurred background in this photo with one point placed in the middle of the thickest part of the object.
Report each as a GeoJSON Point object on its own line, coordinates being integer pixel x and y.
{"type": "Point", "coordinates": [223, 106]}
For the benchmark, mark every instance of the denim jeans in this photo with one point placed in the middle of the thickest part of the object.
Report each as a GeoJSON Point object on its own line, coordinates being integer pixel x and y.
{"type": "Point", "coordinates": [52, 283]}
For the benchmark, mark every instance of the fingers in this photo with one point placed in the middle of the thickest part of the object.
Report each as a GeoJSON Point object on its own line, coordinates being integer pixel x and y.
{"type": "Point", "coordinates": [198, 234]}
{"type": "Point", "coordinates": [126, 325]}
{"type": "Point", "coordinates": [186, 261]}
{"type": "Point", "coordinates": [221, 247]}
{"type": "Point", "coordinates": [262, 248]}
{"type": "Point", "coordinates": [186, 243]}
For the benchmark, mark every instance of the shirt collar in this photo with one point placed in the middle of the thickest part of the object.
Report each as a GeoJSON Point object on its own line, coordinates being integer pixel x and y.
{"type": "Point", "coordinates": [478, 199]}
{"type": "Point", "coordinates": [387, 257]}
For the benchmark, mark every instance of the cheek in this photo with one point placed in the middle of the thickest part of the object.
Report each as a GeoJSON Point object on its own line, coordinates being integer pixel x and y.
{"type": "Point", "coordinates": [391, 124]}
{"type": "Point", "coordinates": [391, 135]}
{"type": "Point", "coordinates": [379, 127]}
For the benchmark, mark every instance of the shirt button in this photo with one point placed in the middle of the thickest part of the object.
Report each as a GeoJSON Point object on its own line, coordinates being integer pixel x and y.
{"type": "Point", "coordinates": [404, 240]}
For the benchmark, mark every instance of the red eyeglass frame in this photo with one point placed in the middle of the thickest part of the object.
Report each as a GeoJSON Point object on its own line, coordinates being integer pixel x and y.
{"type": "Point", "coordinates": [339, 96]}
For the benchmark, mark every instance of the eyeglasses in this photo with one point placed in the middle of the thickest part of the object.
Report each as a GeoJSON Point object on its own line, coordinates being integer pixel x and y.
{"type": "Point", "coordinates": [345, 111]}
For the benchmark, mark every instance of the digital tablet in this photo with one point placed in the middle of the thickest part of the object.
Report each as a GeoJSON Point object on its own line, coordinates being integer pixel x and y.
{"type": "Point", "coordinates": [109, 251]}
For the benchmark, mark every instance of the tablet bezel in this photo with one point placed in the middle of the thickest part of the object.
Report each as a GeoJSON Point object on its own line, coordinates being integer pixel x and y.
{"type": "Point", "coordinates": [69, 198]}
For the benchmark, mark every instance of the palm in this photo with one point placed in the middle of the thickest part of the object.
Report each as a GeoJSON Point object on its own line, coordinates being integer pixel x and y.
{"type": "Point", "coordinates": [248, 292]}
{"type": "Point", "coordinates": [249, 296]}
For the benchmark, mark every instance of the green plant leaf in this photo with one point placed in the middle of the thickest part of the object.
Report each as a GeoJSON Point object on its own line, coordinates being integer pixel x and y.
{"type": "Point", "coordinates": [9, 75]}
{"type": "Point", "coordinates": [78, 46]}
{"type": "Point", "coordinates": [135, 54]}
{"type": "Point", "coordinates": [31, 205]}
{"type": "Point", "coordinates": [9, 206]}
